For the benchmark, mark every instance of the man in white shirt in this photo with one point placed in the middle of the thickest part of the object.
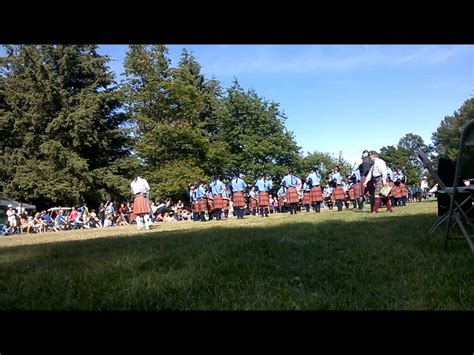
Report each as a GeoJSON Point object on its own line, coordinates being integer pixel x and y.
{"type": "Point", "coordinates": [378, 174]}
{"type": "Point", "coordinates": [424, 187]}
{"type": "Point", "coordinates": [11, 215]}
{"type": "Point", "coordinates": [141, 203]}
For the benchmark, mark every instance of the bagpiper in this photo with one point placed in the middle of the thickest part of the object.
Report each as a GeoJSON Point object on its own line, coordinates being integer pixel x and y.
{"type": "Point", "coordinates": [217, 189]}
{"type": "Point", "coordinates": [316, 194]}
{"type": "Point", "coordinates": [238, 195]}
{"type": "Point", "coordinates": [263, 185]}
{"type": "Point", "coordinates": [289, 182]}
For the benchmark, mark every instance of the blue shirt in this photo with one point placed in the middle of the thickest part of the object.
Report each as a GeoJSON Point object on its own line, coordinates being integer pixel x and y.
{"type": "Point", "coordinates": [306, 187]}
{"type": "Point", "coordinates": [226, 194]}
{"type": "Point", "coordinates": [315, 179]}
{"type": "Point", "coordinates": [289, 181]}
{"type": "Point", "coordinates": [5, 229]}
{"type": "Point", "coordinates": [47, 218]}
{"type": "Point", "coordinates": [327, 190]}
{"type": "Point", "coordinates": [253, 194]}
{"type": "Point", "coordinates": [356, 173]}
{"type": "Point", "coordinates": [200, 192]}
{"type": "Point", "coordinates": [263, 185]}
{"type": "Point", "coordinates": [281, 191]}
{"type": "Point", "coordinates": [238, 185]}
{"type": "Point", "coordinates": [337, 176]}
{"type": "Point", "coordinates": [217, 187]}
{"type": "Point", "coordinates": [389, 173]}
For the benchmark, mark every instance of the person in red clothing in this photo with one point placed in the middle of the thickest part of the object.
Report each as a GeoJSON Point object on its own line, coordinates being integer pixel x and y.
{"type": "Point", "coordinates": [71, 219]}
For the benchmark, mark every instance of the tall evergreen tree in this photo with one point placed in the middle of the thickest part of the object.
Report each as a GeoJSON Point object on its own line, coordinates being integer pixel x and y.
{"type": "Point", "coordinates": [174, 110]}
{"type": "Point", "coordinates": [60, 125]}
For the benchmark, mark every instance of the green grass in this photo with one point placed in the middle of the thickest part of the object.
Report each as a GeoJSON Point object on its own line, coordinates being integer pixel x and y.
{"type": "Point", "coordinates": [330, 261]}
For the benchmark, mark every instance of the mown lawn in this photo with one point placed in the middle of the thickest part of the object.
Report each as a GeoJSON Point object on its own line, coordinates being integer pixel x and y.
{"type": "Point", "coordinates": [330, 261]}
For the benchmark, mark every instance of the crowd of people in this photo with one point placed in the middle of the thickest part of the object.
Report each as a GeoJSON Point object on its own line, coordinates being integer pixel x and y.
{"type": "Point", "coordinates": [372, 181]}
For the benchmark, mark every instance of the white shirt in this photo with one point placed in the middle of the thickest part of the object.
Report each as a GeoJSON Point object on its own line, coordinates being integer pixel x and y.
{"type": "Point", "coordinates": [139, 186]}
{"type": "Point", "coordinates": [424, 184]}
{"type": "Point", "coordinates": [379, 168]}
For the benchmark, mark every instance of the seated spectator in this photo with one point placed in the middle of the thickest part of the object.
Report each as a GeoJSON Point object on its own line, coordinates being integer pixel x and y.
{"type": "Point", "coordinates": [24, 225]}
{"type": "Point", "coordinates": [108, 219]}
{"type": "Point", "coordinates": [60, 221]}
{"type": "Point", "coordinates": [186, 215]}
{"type": "Point", "coordinates": [39, 225]}
{"type": "Point", "coordinates": [71, 219]}
{"type": "Point", "coordinates": [121, 221]}
{"type": "Point", "coordinates": [7, 229]}
{"type": "Point", "coordinates": [49, 221]}
{"type": "Point", "coordinates": [161, 208]}
{"type": "Point", "coordinates": [94, 221]}
{"type": "Point", "coordinates": [168, 218]}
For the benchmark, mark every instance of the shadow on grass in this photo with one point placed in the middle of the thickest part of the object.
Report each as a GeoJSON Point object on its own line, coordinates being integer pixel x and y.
{"type": "Point", "coordinates": [382, 262]}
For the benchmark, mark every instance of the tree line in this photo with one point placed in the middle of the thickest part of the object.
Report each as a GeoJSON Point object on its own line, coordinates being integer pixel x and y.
{"type": "Point", "coordinates": [70, 133]}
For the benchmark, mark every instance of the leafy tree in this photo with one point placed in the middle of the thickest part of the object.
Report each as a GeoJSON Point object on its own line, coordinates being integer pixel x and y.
{"type": "Point", "coordinates": [60, 124]}
{"type": "Point", "coordinates": [322, 161]}
{"type": "Point", "coordinates": [447, 137]}
{"type": "Point", "coordinates": [175, 119]}
{"type": "Point", "coordinates": [410, 143]}
{"type": "Point", "coordinates": [399, 158]}
{"type": "Point", "coordinates": [254, 130]}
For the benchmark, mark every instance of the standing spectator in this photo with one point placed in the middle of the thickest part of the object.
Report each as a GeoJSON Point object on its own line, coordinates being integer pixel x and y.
{"type": "Point", "coordinates": [11, 216]}
{"type": "Point", "coordinates": [424, 187]}
{"type": "Point", "coordinates": [102, 214]}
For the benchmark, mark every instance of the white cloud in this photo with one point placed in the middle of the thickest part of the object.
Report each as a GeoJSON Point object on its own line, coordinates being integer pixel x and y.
{"type": "Point", "coordinates": [236, 60]}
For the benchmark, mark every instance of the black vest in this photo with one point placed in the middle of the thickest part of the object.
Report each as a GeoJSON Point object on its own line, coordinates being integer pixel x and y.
{"type": "Point", "coordinates": [365, 166]}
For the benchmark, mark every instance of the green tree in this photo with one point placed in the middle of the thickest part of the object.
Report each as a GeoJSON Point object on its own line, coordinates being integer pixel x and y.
{"type": "Point", "coordinates": [321, 161]}
{"type": "Point", "coordinates": [175, 119]}
{"type": "Point", "coordinates": [447, 137]}
{"type": "Point", "coordinates": [254, 130]}
{"type": "Point", "coordinates": [399, 158]}
{"type": "Point", "coordinates": [410, 143]}
{"type": "Point", "coordinates": [60, 125]}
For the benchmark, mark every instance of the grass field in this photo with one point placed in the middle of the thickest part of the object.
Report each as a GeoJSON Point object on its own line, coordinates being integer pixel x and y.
{"type": "Point", "coordinates": [330, 261]}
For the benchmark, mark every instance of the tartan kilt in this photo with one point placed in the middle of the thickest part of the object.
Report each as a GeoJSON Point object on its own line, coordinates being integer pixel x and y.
{"type": "Point", "coordinates": [225, 204]}
{"type": "Point", "coordinates": [281, 201]}
{"type": "Point", "coordinates": [195, 207]}
{"type": "Point", "coordinates": [357, 189]}
{"type": "Point", "coordinates": [316, 194]}
{"type": "Point", "coordinates": [253, 203]}
{"type": "Point", "coordinates": [202, 205]}
{"type": "Point", "coordinates": [397, 191]}
{"type": "Point", "coordinates": [292, 195]}
{"type": "Point", "coordinates": [263, 199]}
{"type": "Point", "coordinates": [218, 202]}
{"type": "Point", "coordinates": [239, 199]}
{"type": "Point", "coordinates": [338, 193]}
{"type": "Point", "coordinates": [210, 204]}
{"type": "Point", "coordinates": [141, 205]}
{"type": "Point", "coordinates": [307, 198]}
{"type": "Point", "coordinates": [378, 184]}
{"type": "Point", "coordinates": [351, 193]}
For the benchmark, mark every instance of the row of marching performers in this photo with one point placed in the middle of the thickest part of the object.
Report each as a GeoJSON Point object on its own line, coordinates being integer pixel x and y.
{"type": "Point", "coordinates": [215, 198]}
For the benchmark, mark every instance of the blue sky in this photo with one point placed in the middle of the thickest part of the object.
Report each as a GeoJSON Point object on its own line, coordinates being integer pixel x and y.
{"type": "Point", "coordinates": [343, 97]}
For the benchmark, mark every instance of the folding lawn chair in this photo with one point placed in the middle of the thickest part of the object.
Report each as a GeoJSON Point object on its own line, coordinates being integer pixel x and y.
{"type": "Point", "coordinates": [467, 139]}
{"type": "Point", "coordinates": [443, 189]}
